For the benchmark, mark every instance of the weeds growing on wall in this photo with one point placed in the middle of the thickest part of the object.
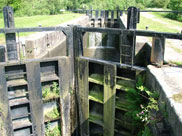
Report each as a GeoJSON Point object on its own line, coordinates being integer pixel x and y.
{"type": "Point", "coordinates": [143, 106]}
{"type": "Point", "coordinates": [56, 131]}
{"type": "Point", "coordinates": [51, 92]}
{"type": "Point", "coordinates": [54, 113]}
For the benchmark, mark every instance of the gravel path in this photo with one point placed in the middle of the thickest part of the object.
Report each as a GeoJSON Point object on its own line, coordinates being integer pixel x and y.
{"type": "Point", "coordinates": [173, 50]}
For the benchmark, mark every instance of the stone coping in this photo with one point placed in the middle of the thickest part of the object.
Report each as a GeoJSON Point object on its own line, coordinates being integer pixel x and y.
{"type": "Point", "coordinates": [167, 82]}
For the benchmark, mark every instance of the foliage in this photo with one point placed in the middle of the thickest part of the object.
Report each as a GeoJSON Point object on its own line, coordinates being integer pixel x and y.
{"type": "Point", "coordinates": [54, 113]}
{"type": "Point", "coordinates": [146, 132]}
{"type": "Point", "coordinates": [159, 3]}
{"type": "Point", "coordinates": [142, 105]}
{"type": "Point", "coordinates": [175, 5]}
{"type": "Point", "coordinates": [51, 92]}
{"type": "Point", "coordinates": [56, 131]}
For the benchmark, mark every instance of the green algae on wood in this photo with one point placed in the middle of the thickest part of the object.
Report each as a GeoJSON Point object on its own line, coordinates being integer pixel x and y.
{"type": "Point", "coordinates": [96, 118]}
{"type": "Point", "coordinates": [126, 82]}
{"type": "Point", "coordinates": [96, 78]}
{"type": "Point", "coordinates": [122, 104]}
{"type": "Point", "coordinates": [96, 94]}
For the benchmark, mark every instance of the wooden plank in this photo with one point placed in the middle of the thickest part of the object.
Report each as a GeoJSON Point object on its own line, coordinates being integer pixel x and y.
{"type": "Point", "coordinates": [65, 94]}
{"type": "Point", "coordinates": [131, 32]}
{"type": "Point", "coordinates": [5, 119]}
{"type": "Point", "coordinates": [32, 29]}
{"type": "Point", "coordinates": [35, 96]}
{"type": "Point", "coordinates": [83, 93]}
{"type": "Point", "coordinates": [109, 99]}
{"type": "Point", "coordinates": [11, 45]}
{"type": "Point", "coordinates": [125, 66]}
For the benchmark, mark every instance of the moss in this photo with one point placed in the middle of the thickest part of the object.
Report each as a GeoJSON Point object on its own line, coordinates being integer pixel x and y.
{"type": "Point", "coordinates": [95, 117]}
{"type": "Point", "coordinates": [177, 97]}
{"type": "Point", "coordinates": [97, 77]}
{"type": "Point", "coordinates": [96, 93]}
{"type": "Point", "coordinates": [123, 104]}
{"type": "Point", "coordinates": [126, 83]}
{"type": "Point", "coordinates": [54, 113]}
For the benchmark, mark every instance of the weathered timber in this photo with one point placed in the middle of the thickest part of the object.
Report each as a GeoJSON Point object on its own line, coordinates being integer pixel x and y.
{"type": "Point", "coordinates": [12, 52]}
{"type": "Point", "coordinates": [132, 18]}
{"type": "Point", "coordinates": [35, 96]}
{"type": "Point", "coordinates": [158, 49]}
{"type": "Point", "coordinates": [65, 75]}
{"type": "Point", "coordinates": [131, 32]}
{"type": "Point", "coordinates": [109, 99]}
{"type": "Point", "coordinates": [83, 93]}
{"type": "Point", "coordinates": [69, 42]}
{"type": "Point", "coordinates": [126, 66]}
{"type": "Point", "coordinates": [2, 54]}
{"type": "Point", "coordinates": [32, 29]}
{"type": "Point", "coordinates": [5, 118]}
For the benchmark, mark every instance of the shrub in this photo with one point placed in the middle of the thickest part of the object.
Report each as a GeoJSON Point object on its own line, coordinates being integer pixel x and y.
{"type": "Point", "coordinates": [159, 3]}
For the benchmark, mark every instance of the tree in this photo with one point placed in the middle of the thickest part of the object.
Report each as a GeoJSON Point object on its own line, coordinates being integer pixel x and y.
{"type": "Point", "coordinates": [175, 5]}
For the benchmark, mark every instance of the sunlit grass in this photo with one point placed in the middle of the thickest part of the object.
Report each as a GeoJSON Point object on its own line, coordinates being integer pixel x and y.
{"type": "Point", "coordinates": [43, 20]}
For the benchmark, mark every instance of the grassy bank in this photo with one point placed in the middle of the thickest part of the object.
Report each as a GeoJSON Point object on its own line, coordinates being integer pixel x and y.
{"type": "Point", "coordinates": [43, 20]}
{"type": "Point", "coordinates": [158, 22]}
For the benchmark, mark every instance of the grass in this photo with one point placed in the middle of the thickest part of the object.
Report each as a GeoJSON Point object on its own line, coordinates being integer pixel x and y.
{"type": "Point", "coordinates": [154, 26]}
{"type": "Point", "coordinates": [44, 20]}
{"type": "Point", "coordinates": [178, 63]}
{"type": "Point", "coordinates": [177, 97]}
{"type": "Point", "coordinates": [177, 49]}
{"type": "Point", "coordinates": [169, 25]}
{"type": "Point", "coordinates": [163, 17]}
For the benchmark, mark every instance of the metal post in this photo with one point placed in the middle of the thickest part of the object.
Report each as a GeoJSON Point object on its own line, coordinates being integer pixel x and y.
{"type": "Point", "coordinates": [132, 18]}
{"type": "Point", "coordinates": [11, 45]}
{"type": "Point", "coordinates": [2, 53]}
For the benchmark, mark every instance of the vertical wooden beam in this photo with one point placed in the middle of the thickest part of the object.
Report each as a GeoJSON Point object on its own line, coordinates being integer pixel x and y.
{"type": "Point", "coordinates": [65, 83]}
{"type": "Point", "coordinates": [102, 14]}
{"type": "Point", "coordinates": [35, 96]}
{"type": "Point", "coordinates": [132, 18]}
{"type": "Point", "coordinates": [158, 49]}
{"type": "Point", "coordinates": [121, 12]}
{"type": "Point", "coordinates": [109, 99]}
{"type": "Point", "coordinates": [12, 53]}
{"type": "Point", "coordinates": [5, 118]}
{"type": "Point", "coordinates": [96, 14]}
{"type": "Point", "coordinates": [69, 42]}
{"type": "Point", "coordinates": [112, 14]}
{"type": "Point", "coordinates": [83, 93]}
{"type": "Point", "coordinates": [2, 54]}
